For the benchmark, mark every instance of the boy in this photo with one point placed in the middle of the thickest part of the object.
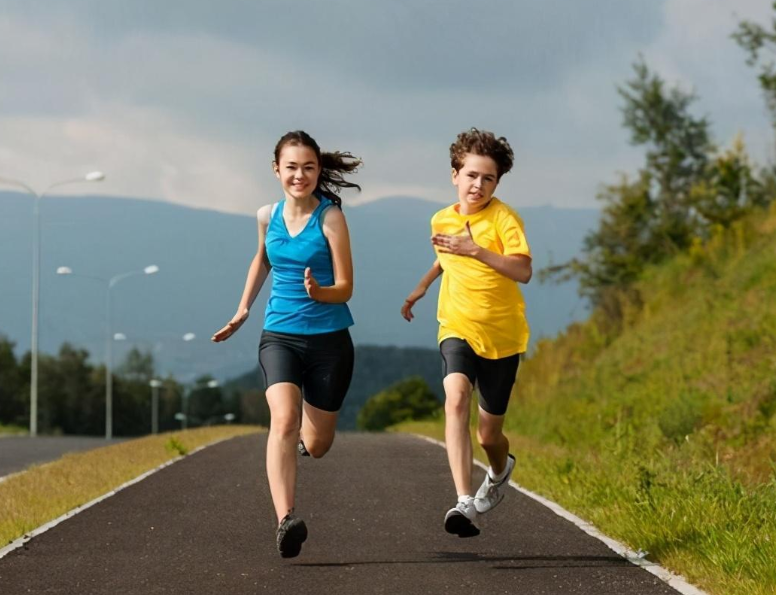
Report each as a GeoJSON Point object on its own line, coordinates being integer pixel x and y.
{"type": "Point", "coordinates": [482, 249]}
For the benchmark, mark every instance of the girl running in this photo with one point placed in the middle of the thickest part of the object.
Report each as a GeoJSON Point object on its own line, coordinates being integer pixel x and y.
{"type": "Point", "coordinates": [305, 351]}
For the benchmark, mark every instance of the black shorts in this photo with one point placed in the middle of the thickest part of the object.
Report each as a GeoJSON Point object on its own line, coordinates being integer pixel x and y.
{"type": "Point", "coordinates": [320, 365]}
{"type": "Point", "coordinates": [494, 377]}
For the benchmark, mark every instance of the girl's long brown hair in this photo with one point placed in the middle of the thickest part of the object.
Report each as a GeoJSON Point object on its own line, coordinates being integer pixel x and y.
{"type": "Point", "coordinates": [333, 165]}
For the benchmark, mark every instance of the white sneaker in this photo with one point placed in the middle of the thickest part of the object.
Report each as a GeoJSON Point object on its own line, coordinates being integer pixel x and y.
{"type": "Point", "coordinates": [491, 493]}
{"type": "Point", "coordinates": [459, 520]}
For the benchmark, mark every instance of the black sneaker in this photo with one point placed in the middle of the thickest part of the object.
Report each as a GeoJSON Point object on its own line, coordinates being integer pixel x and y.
{"type": "Point", "coordinates": [291, 534]}
{"type": "Point", "coordinates": [303, 449]}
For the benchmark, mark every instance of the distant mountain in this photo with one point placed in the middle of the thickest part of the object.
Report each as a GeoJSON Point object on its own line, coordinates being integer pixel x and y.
{"type": "Point", "coordinates": [203, 257]}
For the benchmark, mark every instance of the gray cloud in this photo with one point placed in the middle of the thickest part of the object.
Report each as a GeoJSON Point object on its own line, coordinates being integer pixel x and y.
{"type": "Point", "coordinates": [184, 99]}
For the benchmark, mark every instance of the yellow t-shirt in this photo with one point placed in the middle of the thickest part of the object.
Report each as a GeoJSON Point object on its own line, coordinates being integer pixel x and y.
{"type": "Point", "coordinates": [476, 303]}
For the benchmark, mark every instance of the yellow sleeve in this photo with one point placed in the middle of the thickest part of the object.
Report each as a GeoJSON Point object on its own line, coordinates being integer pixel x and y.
{"type": "Point", "coordinates": [512, 235]}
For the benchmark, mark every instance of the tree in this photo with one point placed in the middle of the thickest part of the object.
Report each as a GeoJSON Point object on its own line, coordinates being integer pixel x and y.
{"type": "Point", "coordinates": [409, 399]}
{"type": "Point", "coordinates": [13, 399]}
{"type": "Point", "coordinates": [756, 41]}
{"type": "Point", "coordinates": [729, 190]}
{"type": "Point", "coordinates": [653, 217]}
{"type": "Point", "coordinates": [678, 147]}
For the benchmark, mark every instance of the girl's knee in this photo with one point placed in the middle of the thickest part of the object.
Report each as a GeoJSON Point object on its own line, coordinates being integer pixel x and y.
{"type": "Point", "coordinates": [284, 426]}
{"type": "Point", "coordinates": [317, 447]}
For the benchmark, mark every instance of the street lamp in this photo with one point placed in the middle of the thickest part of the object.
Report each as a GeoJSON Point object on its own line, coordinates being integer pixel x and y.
{"type": "Point", "coordinates": [109, 338]}
{"type": "Point", "coordinates": [155, 384]}
{"type": "Point", "coordinates": [95, 176]}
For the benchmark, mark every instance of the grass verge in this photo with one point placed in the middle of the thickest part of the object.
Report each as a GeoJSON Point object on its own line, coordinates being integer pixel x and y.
{"type": "Point", "coordinates": [45, 492]}
{"type": "Point", "coordinates": [12, 431]}
{"type": "Point", "coordinates": [701, 522]}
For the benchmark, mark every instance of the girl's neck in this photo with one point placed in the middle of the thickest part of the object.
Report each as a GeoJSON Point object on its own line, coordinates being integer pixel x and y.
{"type": "Point", "coordinates": [301, 206]}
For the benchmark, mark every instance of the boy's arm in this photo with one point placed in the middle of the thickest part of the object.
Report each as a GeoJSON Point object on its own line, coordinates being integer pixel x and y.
{"type": "Point", "coordinates": [513, 266]}
{"type": "Point", "coordinates": [420, 290]}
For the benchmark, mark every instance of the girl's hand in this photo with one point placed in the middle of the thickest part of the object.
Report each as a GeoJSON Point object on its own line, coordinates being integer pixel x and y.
{"type": "Point", "coordinates": [231, 327]}
{"type": "Point", "coordinates": [406, 309]}
{"type": "Point", "coordinates": [310, 284]}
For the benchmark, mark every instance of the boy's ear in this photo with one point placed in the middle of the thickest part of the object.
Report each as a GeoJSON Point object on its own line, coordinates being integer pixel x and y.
{"type": "Point", "coordinates": [454, 175]}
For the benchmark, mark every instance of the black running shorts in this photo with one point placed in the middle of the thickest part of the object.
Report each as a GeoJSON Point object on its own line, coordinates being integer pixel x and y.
{"type": "Point", "coordinates": [320, 365]}
{"type": "Point", "coordinates": [494, 377]}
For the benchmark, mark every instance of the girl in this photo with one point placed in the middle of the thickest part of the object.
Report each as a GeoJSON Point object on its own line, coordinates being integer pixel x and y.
{"type": "Point", "coordinates": [305, 351]}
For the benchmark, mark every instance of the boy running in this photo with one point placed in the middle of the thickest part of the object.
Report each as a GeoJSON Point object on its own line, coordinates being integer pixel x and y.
{"type": "Point", "coordinates": [482, 249]}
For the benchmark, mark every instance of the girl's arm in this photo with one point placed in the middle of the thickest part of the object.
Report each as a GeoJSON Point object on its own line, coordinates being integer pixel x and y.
{"type": "Point", "coordinates": [420, 290]}
{"type": "Point", "coordinates": [335, 229]}
{"type": "Point", "coordinates": [257, 275]}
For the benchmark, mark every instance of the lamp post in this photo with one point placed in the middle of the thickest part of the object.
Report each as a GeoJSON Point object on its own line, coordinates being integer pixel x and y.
{"type": "Point", "coordinates": [109, 338]}
{"type": "Point", "coordinates": [155, 384]}
{"type": "Point", "coordinates": [94, 176]}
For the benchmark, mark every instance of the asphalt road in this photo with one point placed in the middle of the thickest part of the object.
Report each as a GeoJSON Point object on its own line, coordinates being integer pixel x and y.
{"type": "Point", "coordinates": [374, 507]}
{"type": "Point", "coordinates": [19, 452]}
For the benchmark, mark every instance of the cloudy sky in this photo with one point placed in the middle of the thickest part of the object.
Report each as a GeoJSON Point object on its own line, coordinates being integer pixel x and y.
{"type": "Point", "coordinates": [184, 101]}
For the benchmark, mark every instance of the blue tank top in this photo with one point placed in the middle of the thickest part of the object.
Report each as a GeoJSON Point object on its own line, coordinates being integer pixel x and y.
{"type": "Point", "coordinates": [290, 309]}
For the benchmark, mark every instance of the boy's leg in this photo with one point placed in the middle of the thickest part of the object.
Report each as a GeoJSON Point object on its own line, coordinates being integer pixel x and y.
{"type": "Point", "coordinates": [458, 392]}
{"type": "Point", "coordinates": [492, 440]}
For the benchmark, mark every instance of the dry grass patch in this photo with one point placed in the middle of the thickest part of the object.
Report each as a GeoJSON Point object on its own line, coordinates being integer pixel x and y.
{"type": "Point", "coordinates": [45, 492]}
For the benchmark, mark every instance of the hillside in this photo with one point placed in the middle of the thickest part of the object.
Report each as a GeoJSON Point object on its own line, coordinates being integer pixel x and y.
{"type": "Point", "coordinates": [655, 419]}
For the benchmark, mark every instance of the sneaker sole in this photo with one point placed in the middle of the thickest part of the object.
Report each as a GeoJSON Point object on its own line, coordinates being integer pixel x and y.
{"type": "Point", "coordinates": [458, 524]}
{"type": "Point", "coordinates": [291, 543]}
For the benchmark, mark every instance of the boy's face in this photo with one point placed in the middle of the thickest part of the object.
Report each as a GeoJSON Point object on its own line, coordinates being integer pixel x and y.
{"type": "Point", "coordinates": [476, 182]}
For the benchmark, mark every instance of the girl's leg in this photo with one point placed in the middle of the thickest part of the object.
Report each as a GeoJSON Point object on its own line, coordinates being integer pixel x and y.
{"type": "Point", "coordinates": [458, 393]}
{"type": "Point", "coordinates": [318, 428]}
{"type": "Point", "coordinates": [492, 440]}
{"type": "Point", "coordinates": [284, 399]}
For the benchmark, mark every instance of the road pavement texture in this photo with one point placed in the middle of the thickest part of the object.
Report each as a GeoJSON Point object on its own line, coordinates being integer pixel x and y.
{"type": "Point", "coordinates": [374, 507]}
{"type": "Point", "coordinates": [19, 452]}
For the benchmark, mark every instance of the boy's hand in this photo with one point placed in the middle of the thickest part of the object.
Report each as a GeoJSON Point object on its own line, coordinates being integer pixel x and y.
{"type": "Point", "coordinates": [462, 245]}
{"type": "Point", "coordinates": [310, 284]}
{"type": "Point", "coordinates": [406, 309]}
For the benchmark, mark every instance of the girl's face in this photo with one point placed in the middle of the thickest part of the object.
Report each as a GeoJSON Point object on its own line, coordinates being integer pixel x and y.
{"type": "Point", "coordinates": [298, 170]}
{"type": "Point", "coordinates": [476, 182]}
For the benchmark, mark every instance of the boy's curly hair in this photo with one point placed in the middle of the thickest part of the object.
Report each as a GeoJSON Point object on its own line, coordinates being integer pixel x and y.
{"type": "Point", "coordinates": [482, 142]}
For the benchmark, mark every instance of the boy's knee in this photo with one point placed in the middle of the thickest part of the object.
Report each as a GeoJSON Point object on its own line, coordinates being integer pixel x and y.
{"type": "Point", "coordinates": [489, 438]}
{"type": "Point", "coordinates": [457, 405]}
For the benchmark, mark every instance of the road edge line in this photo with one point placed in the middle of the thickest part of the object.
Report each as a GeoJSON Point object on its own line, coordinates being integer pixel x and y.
{"type": "Point", "coordinates": [673, 580]}
{"type": "Point", "coordinates": [24, 539]}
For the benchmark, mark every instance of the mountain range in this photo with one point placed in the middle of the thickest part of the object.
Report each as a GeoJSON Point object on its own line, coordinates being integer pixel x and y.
{"type": "Point", "coordinates": [203, 256]}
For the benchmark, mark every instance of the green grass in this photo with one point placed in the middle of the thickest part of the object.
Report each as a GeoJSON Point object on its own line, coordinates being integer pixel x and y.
{"type": "Point", "coordinates": [660, 428]}
{"type": "Point", "coordinates": [45, 492]}
{"type": "Point", "coordinates": [12, 431]}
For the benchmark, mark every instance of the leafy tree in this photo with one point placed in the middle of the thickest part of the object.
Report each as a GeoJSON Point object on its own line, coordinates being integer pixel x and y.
{"type": "Point", "coordinates": [409, 399]}
{"type": "Point", "coordinates": [652, 217]}
{"type": "Point", "coordinates": [757, 41]}
{"type": "Point", "coordinates": [206, 405]}
{"type": "Point", "coordinates": [138, 366]}
{"type": "Point", "coordinates": [730, 188]}
{"type": "Point", "coordinates": [13, 398]}
{"type": "Point", "coordinates": [678, 147]}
